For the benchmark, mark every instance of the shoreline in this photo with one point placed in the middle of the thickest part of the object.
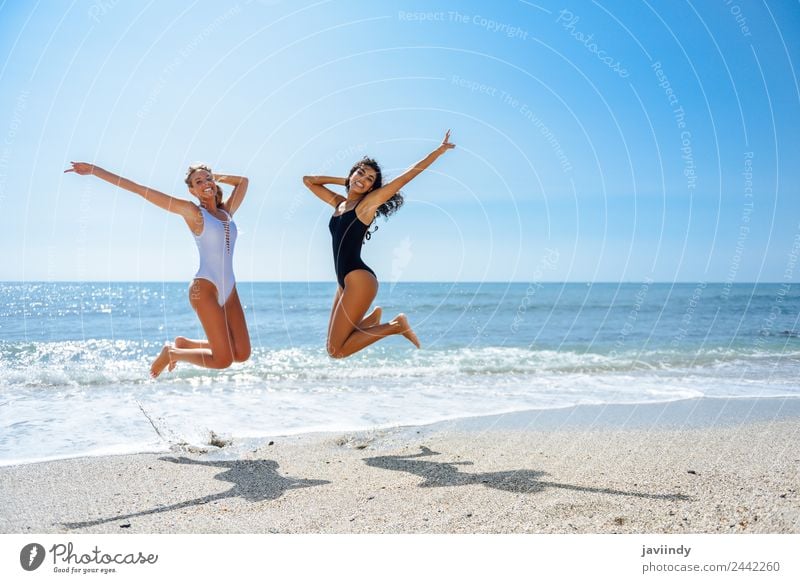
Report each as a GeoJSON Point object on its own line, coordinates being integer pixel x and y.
{"type": "Point", "coordinates": [699, 465]}
{"type": "Point", "coordinates": [695, 411]}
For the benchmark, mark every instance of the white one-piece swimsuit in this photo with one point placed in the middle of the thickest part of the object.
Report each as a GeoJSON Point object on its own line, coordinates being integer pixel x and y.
{"type": "Point", "coordinates": [215, 245]}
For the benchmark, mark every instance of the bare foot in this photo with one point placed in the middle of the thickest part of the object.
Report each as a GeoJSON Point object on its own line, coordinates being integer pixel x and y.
{"type": "Point", "coordinates": [161, 362]}
{"type": "Point", "coordinates": [406, 330]}
{"type": "Point", "coordinates": [373, 319]}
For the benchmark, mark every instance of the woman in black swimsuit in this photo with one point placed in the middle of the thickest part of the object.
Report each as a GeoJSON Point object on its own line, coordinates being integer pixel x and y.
{"type": "Point", "coordinates": [349, 331]}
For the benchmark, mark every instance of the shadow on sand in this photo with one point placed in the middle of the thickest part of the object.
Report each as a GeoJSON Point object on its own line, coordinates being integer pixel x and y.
{"type": "Point", "coordinates": [438, 474]}
{"type": "Point", "coordinates": [253, 480]}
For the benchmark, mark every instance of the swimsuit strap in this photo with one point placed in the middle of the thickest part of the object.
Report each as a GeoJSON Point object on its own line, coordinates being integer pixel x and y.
{"type": "Point", "coordinates": [354, 210]}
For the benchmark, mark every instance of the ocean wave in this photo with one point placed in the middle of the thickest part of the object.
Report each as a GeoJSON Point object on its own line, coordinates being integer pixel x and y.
{"type": "Point", "coordinates": [115, 362]}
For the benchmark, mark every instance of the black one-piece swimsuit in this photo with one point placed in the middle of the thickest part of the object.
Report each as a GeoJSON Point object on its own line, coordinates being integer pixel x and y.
{"type": "Point", "coordinates": [347, 234]}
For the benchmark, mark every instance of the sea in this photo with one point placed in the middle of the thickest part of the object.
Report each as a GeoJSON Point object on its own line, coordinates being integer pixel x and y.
{"type": "Point", "coordinates": [75, 357]}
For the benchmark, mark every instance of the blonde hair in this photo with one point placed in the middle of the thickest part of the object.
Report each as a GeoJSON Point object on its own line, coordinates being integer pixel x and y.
{"type": "Point", "coordinates": [200, 166]}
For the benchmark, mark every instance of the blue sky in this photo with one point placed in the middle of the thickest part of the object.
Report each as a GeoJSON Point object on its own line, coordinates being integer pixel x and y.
{"type": "Point", "coordinates": [615, 136]}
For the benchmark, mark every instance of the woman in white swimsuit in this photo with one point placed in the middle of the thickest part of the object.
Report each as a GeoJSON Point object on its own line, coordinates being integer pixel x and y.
{"type": "Point", "coordinates": [212, 293]}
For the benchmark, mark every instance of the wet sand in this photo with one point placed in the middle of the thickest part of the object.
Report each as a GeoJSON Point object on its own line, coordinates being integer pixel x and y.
{"type": "Point", "coordinates": [697, 466]}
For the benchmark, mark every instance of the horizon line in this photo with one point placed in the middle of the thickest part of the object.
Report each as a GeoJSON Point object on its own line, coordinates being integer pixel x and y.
{"type": "Point", "coordinates": [584, 282]}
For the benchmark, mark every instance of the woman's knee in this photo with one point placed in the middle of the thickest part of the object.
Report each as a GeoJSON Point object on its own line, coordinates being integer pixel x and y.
{"type": "Point", "coordinates": [222, 356]}
{"type": "Point", "coordinates": [334, 351]}
{"type": "Point", "coordinates": [221, 361]}
{"type": "Point", "coordinates": [241, 353]}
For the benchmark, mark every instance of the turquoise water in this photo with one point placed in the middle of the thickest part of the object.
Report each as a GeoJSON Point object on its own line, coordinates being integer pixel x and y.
{"type": "Point", "coordinates": [75, 358]}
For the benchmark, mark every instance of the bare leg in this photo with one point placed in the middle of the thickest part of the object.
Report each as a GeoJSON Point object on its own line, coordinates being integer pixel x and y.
{"type": "Point", "coordinates": [219, 353]}
{"type": "Point", "coordinates": [237, 327]}
{"type": "Point", "coordinates": [372, 319]}
{"type": "Point", "coordinates": [344, 336]}
{"type": "Point", "coordinates": [183, 342]}
{"type": "Point", "coordinates": [360, 338]}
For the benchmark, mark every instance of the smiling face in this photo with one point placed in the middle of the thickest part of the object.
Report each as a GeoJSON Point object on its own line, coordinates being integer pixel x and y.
{"type": "Point", "coordinates": [202, 185]}
{"type": "Point", "coordinates": [364, 176]}
{"type": "Point", "coordinates": [362, 179]}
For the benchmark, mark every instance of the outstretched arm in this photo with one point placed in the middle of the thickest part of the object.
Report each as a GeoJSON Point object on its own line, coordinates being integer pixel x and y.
{"type": "Point", "coordinates": [240, 184]}
{"type": "Point", "coordinates": [316, 185]}
{"type": "Point", "coordinates": [169, 203]}
{"type": "Point", "coordinates": [377, 197]}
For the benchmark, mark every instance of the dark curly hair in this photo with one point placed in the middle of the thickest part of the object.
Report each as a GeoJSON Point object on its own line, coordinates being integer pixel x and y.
{"type": "Point", "coordinates": [390, 206]}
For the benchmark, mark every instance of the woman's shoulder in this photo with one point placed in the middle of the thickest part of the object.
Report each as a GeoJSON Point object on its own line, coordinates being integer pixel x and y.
{"type": "Point", "coordinates": [194, 219]}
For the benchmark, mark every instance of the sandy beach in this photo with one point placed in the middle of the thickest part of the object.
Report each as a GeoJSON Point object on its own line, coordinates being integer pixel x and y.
{"type": "Point", "coordinates": [696, 466]}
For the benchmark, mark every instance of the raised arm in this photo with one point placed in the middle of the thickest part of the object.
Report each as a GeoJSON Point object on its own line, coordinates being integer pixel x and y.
{"type": "Point", "coordinates": [377, 197]}
{"type": "Point", "coordinates": [240, 184]}
{"type": "Point", "coordinates": [316, 184]}
{"type": "Point", "coordinates": [169, 203]}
